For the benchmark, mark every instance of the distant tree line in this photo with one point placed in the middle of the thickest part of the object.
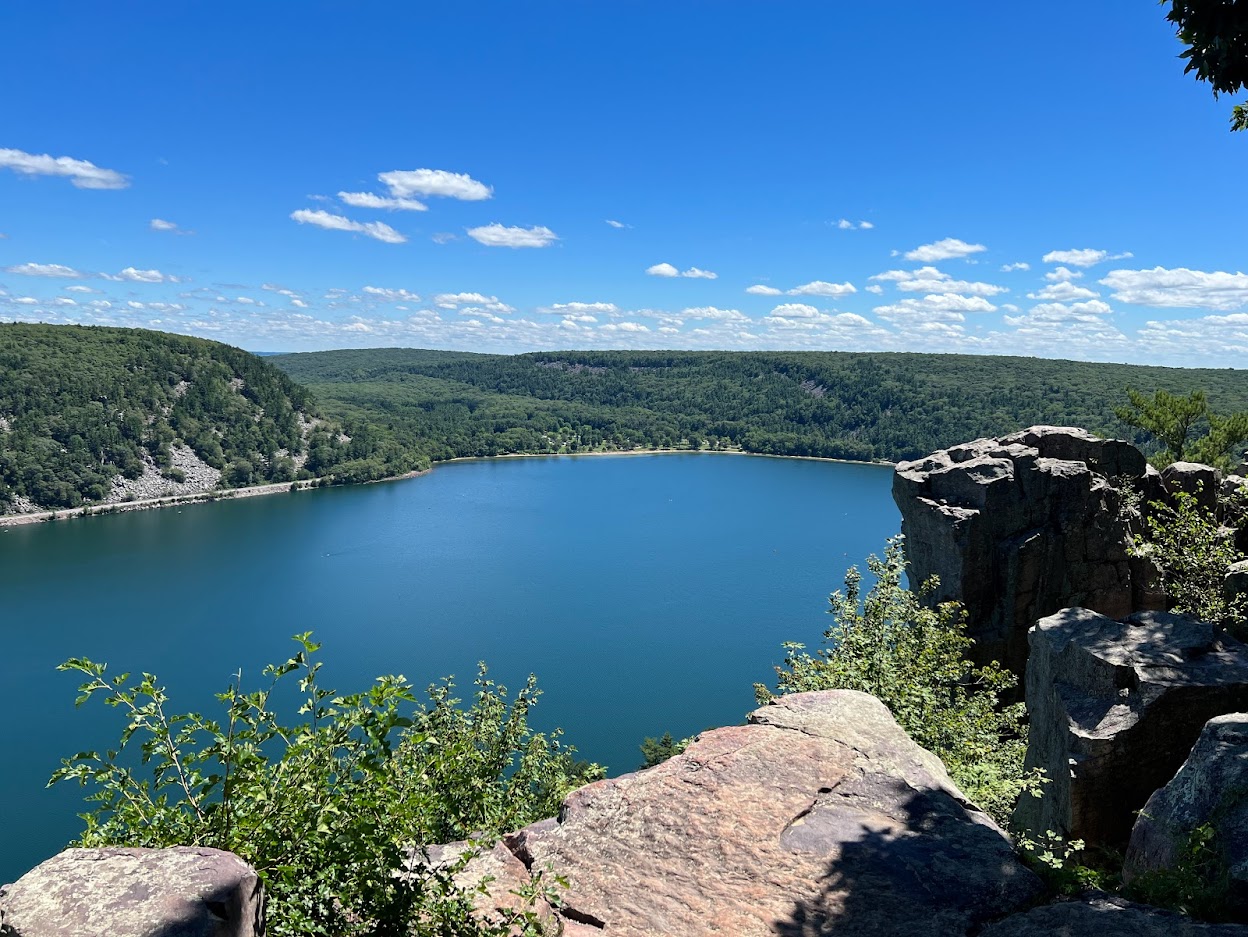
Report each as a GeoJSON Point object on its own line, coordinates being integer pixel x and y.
{"type": "Point", "coordinates": [860, 406]}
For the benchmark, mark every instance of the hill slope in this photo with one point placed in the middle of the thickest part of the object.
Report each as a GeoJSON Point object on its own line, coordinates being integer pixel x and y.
{"type": "Point", "coordinates": [835, 404]}
{"type": "Point", "coordinates": [93, 414]}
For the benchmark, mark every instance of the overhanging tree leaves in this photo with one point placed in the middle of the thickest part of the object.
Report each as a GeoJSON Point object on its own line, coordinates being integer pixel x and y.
{"type": "Point", "coordinates": [1216, 35]}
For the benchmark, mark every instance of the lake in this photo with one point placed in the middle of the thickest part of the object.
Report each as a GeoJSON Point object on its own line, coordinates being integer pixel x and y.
{"type": "Point", "coordinates": [647, 592]}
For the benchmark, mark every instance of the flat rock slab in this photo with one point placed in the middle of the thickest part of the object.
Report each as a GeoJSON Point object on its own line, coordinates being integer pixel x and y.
{"type": "Point", "coordinates": [177, 892]}
{"type": "Point", "coordinates": [819, 816]}
{"type": "Point", "coordinates": [1106, 917]}
{"type": "Point", "coordinates": [1115, 707]}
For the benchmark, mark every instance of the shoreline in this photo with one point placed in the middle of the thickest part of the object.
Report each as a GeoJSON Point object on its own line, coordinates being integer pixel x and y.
{"type": "Point", "coordinates": [254, 491]}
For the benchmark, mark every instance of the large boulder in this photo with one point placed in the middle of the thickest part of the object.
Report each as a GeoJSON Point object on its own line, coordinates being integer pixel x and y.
{"type": "Point", "coordinates": [176, 892]}
{"type": "Point", "coordinates": [1018, 527]}
{"type": "Point", "coordinates": [1211, 788]}
{"type": "Point", "coordinates": [1099, 915]}
{"type": "Point", "coordinates": [1115, 707]}
{"type": "Point", "coordinates": [1202, 482]}
{"type": "Point", "coordinates": [1236, 582]}
{"type": "Point", "coordinates": [819, 816]}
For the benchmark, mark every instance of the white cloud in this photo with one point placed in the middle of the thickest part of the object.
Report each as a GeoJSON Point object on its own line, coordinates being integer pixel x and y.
{"type": "Point", "coordinates": [373, 229]}
{"type": "Point", "coordinates": [392, 296]}
{"type": "Point", "coordinates": [369, 200]}
{"type": "Point", "coordinates": [823, 288]}
{"type": "Point", "coordinates": [663, 270]}
{"type": "Point", "coordinates": [497, 235]}
{"type": "Point", "coordinates": [1179, 287]}
{"type": "Point", "coordinates": [865, 225]}
{"type": "Point", "coordinates": [160, 224]}
{"type": "Point", "coordinates": [695, 273]}
{"type": "Point", "coordinates": [759, 289]}
{"type": "Point", "coordinates": [623, 327]}
{"type": "Point", "coordinates": [132, 275]}
{"type": "Point", "coordinates": [444, 237]}
{"type": "Point", "coordinates": [471, 302]}
{"type": "Point", "coordinates": [26, 300]}
{"type": "Point", "coordinates": [713, 313]}
{"type": "Point", "coordinates": [1021, 265]}
{"type": "Point", "coordinates": [617, 224]}
{"type": "Point", "coordinates": [795, 311]}
{"type": "Point", "coordinates": [298, 303]}
{"type": "Point", "coordinates": [81, 173]}
{"type": "Point", "coordinates": [78, 288]}
{"type": "Point", "coordinates": [946, 249]}
{"type": "Point", "coordinates": [931, 280]}
{"type": "Point", "coordinates": [935, 307]}
{"type": "Point", "coordinates": [436, 183]}
{"type": "Point", "coordinates": [845, 224]}
{"type": "Point", "coordinates": [565, 309]}
{"type": "Point", "coordinates": [875, 288]}
{"type": "Point", "coordinates": [1064, 291]}
{"type": "Point", "coordinates": [1087, 312]}
{"type": "Point", "coordinates": [1082, 257]}
{"type": "Point", "coordinates": [45, 270]}
{"type": "Point", "coordinates": [1061, 274]}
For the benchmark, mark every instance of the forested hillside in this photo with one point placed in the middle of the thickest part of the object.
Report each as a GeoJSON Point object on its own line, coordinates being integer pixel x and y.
{"type": "Point", "coordinates": [87, 414]}
{"type": "Point", "coordinates": [833, 404]}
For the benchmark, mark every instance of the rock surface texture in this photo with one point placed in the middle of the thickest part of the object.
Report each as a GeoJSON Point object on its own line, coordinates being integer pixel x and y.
{"type": "Point", "coordinates": [1115, 708]}
{"type": "Point", "coordinates": [1212, 788]}
{"type": "Point", "coordinates": [177, 892]}
{"type": "Point", "coordinates": [1099, 916]}
{"type": "Point", "coordinates": [1019, 527]}
{"type": "Point", "coordinates": [819, 816]}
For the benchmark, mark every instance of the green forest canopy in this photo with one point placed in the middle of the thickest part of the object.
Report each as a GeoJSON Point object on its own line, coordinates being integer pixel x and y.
{"type": "Point", "coordinates": [863, 406]}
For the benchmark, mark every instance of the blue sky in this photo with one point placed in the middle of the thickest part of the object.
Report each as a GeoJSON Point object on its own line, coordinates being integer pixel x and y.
{"type": "Point", "coordinates": [1037, 179]}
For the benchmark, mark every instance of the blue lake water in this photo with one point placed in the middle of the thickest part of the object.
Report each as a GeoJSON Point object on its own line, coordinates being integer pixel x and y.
{"type": "Point", "coordinates": [648, 593]}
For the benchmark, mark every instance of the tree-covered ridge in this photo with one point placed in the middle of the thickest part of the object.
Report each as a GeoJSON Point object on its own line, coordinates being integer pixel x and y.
{"type": "Point", "coordinates": [80, 406]}
{"type": "Point", "coordinates": [887, 406]}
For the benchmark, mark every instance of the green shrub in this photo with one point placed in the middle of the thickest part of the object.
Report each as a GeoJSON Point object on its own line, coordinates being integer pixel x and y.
{"type": "Point", "coordinates": [912, 658]}
{"type": "Point", "coordinates": [327, 807]}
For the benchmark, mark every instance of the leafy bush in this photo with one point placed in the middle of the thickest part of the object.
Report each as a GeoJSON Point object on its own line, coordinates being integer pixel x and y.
{"type": "Point", "coordinates": [1193, 552]}
{"type": "Point", "coordinates": [329, 807]}
{"type": "Point", "coordinates": [912, 658]}
{"type": "Point", "coordinates": [656, 751]}
{"type": "Point", "coordinates": [1197, 885]}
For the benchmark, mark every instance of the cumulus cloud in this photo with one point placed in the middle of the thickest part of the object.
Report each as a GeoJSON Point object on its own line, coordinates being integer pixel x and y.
{"type": "Point", "coordinates": [369, 200]}
{"type": "Point", "coordinates": [865, 225]}
{"type": "Point", "coordinates": [435, 183]}
{"type": "Point", "coordinates": [1063, 291]}
{"type": "Point", "coordinates": [935, 307]}
{"type": "Point", "coordinates": [624, 327]}
{"type": "Point", "coordinates": [133, 275]}
{"type": "Point", "coordinates": [468, 302]}
{"type": "Point", "coordinates": [846, 225]}
{"type": "Point", "coordinates": [497, 235]}
{"type": "Point", "coordinates": [1021, 265]}
{"type": "Point", "coordinates": [1082, 257]}
{"type": "Point", "coordinates": [823, 288]}
{"type": "Point", "coordinates": [875, 288]}
{"type": "Point", "coordinates": [45, 270]}
{"type": "Point", "coordinates": [760, 289]}
{"type": "Point", "coordinates": [795, 311]}
{"type": "Point", "coordinates": [1061, 274]}
{"type": "Point", "coordinates": [932, 280]}
{"type": "Point", "coordinates": [947, 249]}
{"type": "Point", "coordinates": [617, 224]}
{"type": "Point", "coordinates": [1179, 287]}
{"type": "Point", "coordinates": [1092, 311]}
{"type": "Point", "coordinates": [693, 273]}
{"type": "Point", "coordinates": [81, 173]}
{"type": "Point", "coordinates": [713, 313]}
{"type": "Point", "coordinates": [574, 308]}
{"type": "Point", "coordinates": [78, 288]}
{"type": "Point", "coordinates": [392, 296]}
{"type": "Point", "coordinates": [373, 229]}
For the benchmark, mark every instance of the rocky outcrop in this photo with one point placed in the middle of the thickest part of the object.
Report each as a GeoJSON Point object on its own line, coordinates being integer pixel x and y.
{"type": "Point", "coordinates": [1211, 788]}
{"type": "Point", "coordinates": [819, 816]}
{"type": "Point", "coordinates": [1019, 527]}
{"type": "Point", "coordinates": [1236, 583]}
{"type": "Point", "coordinates": [1202, 482]}
{"type": "Point", "coordinates": [1102, 916]}
{"type": "Point", "coordinates": [177, 892]}
{"type": "Point", "coordinates": [1115, 708]}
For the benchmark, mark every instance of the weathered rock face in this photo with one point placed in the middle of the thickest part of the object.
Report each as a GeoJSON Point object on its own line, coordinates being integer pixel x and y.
{"type": "Point", "coordinates": [1019, 527]}
{"type": "Point", "coordinates": [1115, 708]}
{"type": "Point", "coordinates": [1100, 916]}
{"type": "Point", "coordinates": [1236, 581]}
{"type": "Point", "coordinates": [1202, 482]}
{"type": "Point", "coordinates": [1211, 787]}
{"type": "Point", "coordinates": [819, 816]}
{"type": "Point", "coordinates": [177, 892]}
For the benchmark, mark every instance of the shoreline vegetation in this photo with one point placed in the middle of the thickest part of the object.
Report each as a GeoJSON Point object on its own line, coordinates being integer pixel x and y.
{"type": "Point", "coordinates": [274, 488]}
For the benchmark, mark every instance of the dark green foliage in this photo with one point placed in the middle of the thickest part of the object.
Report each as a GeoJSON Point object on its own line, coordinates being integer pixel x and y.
{"type": "Point", "coordinates": [81, 405]}
{"type": "Point", "coordinates": [1199, 884]}
{"type": "Point", "coordinates": [1186, 427]}
{"type": "Point", "coordinates": [326, 808]}
{"type": "Point", "coordinates": [1216, 35]}
{"type": "Point", "coordinates": [832, 404]}
{"type": "Point", "coordinates": [657, 751]}
{"type": "Point", "coordinates": [912, 658]}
